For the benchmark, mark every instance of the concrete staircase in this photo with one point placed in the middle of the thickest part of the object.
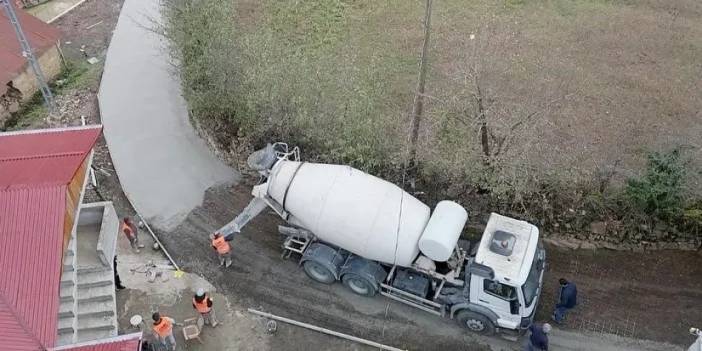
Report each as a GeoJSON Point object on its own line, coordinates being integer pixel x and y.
{"type": "Point", "coordinates": [96, 304]}
{"type": "Point", "coordinates": [87, 295]}
{"type": "Point", "coordinates": [67, 302]}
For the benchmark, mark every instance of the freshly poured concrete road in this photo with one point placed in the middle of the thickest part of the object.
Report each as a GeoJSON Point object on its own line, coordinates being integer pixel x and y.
{"type": "Point", "coordinates": [162, 163]}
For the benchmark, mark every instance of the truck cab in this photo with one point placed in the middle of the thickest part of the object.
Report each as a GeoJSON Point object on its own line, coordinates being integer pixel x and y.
{"type": "Point", "coordinates": [506, 273]}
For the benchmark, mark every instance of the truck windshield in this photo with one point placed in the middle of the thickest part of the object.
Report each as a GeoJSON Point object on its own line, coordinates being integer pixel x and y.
{"type": "Point", "coordinates": [530, 287]}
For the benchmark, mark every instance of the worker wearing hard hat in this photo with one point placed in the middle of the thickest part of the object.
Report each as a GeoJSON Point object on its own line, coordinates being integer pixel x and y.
{"type": "Point", "coordinates": [221, 245]}
{"type": "Point", "coordinates": [203, 304]}
{"type": "Point", "coordinates": [538, 340]}
{"type": "Point", "coordinates": [163, 330]}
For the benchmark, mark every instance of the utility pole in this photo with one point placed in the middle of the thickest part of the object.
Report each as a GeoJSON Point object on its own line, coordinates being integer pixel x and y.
{"type": "Point", "coordinates": [418, 106]}
{"type": "Point", "coordinates": [27, 52]}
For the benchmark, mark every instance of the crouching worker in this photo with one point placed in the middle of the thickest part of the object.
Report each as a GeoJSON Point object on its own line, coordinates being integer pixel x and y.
{"type": "Point", "coordinates": [163, 330]}
{"type": "Point", "coordinates": [203, 304]}
{"type": "Point", "coordinates": [567, 299]}
{"type": "Point", "coordinates": [221, 245]}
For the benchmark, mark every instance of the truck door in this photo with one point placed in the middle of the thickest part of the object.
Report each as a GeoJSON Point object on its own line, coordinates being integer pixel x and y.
{"type": "Point", "coordinates": [498, 297]}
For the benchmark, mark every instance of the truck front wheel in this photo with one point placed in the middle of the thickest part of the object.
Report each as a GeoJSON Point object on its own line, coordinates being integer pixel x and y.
{"type": "Point", "coordinates": [318, 272]}
{"type": "Point", "coordinates": [358, 285]}
{"type": "Point", "coordinates": [475, 322]}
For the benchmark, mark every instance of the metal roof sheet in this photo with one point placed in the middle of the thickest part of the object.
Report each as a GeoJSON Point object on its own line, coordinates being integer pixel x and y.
{"type": "Point", "coordinates": [129, 342]}
{"type": "Point", "coordinates": [44, 157]}
{"type": "Point", "coordinates": [31, 241]}
{"type": "Point", "coordinates": [35, 169]}
{"type": "Point", "coordinates": [41, 36]}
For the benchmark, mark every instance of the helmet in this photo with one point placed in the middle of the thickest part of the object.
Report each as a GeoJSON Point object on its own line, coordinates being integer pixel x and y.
{"type": "Point", "coordinates": [200, 292]}
{"type": "Point", "coordinates": [546, 328]}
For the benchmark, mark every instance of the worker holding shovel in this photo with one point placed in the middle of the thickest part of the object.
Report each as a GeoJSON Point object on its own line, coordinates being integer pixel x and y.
{"type": "Point", "coordinates": [221, 245]}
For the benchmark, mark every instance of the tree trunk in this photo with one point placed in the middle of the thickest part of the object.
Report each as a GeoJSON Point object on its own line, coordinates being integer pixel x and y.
{"type": "Point", "coordinates": [482, 119]}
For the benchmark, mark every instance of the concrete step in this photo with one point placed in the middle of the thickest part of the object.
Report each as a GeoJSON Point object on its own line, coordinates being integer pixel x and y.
{"type": "Point", "coordinates": [66, 309]}
{"type": "Point", "coordinates": [67, 283]}
{"type": "Point", "coordinates": [64, 339]}
{"type": "Point", "coordinates": [87, 335]}
{"type": "Point", "coordinates": [95, 279]}
{"type": "Point", "coordinates": [92, 269]}
{"type": "Point", "coordinates": [96, 308]}
{"type": "Point", "coordinates": [69, 259]}
{"type": "Point", "coordinates": [66, 291]}
{"type": "Point", "coordinates": [65, 326]}
{"type": "Point", "coordinates": [96, 323]}
{"type": "Point", "coordinates": [97, 293]}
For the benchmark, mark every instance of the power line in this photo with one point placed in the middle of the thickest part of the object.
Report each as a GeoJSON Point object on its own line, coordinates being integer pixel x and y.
{"type": "Point", "coordinates": [27, 53]}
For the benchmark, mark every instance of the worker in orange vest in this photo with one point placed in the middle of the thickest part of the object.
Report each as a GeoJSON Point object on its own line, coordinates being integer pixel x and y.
{"type": "Point", "coordinates": [163, 330]}
{"type": "Point", "coordinates": [221, 245]}
{"type": "Point", "coordinates": [203, 304]}
{"type": "Point", "coordinates": [130, 230]}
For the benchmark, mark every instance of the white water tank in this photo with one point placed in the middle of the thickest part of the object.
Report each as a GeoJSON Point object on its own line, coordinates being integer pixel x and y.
{"type": "Point", "coordinates": [443, 230]}
{"type": "Point", "coordinates": [356, 211]}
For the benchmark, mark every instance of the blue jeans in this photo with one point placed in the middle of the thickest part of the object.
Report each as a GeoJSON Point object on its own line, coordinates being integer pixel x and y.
{"type": "Point", "coordinates": [560, 313]}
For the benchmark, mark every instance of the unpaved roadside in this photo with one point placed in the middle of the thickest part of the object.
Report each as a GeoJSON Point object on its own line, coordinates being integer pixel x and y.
{"type": "Point", "coordinates": [614, 286]}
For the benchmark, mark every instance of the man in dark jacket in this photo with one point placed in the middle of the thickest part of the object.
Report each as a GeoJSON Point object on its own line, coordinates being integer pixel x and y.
{"type": "Point", "coordinates": [538, 340]}
{"type": "Point", "coordinates": [567, 299]}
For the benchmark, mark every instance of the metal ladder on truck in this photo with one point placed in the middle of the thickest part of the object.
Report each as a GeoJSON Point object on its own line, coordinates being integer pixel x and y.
{"type": "Point", "coordinates": [297, 240]}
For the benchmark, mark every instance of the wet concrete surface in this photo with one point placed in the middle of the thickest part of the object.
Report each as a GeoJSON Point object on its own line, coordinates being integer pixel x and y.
{"type": "Point", "coordinates": [162, 163]}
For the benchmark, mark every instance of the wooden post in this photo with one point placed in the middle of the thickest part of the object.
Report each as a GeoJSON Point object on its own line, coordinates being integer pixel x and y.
{"type": "Point", "coordinates": [418, 106]}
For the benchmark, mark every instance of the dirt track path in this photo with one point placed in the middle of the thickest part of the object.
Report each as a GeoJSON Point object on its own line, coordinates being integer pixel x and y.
{"type": "Point", "coordinates": [623, 295]}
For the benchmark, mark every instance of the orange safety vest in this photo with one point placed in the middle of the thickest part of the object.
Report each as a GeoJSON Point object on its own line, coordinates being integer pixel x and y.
{"type": "Point", "coordinates": [126, 229]}
{"type": "Point", "coordinates": [202, 305]}
{"type": "Point", "coordinates": [221, 245]}
{"type": "Point", "coordinates": [164, 327]}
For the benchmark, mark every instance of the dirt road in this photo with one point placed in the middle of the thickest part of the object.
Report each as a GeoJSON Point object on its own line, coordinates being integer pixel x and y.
{"type": "Point", "coordinates": [260, 278]}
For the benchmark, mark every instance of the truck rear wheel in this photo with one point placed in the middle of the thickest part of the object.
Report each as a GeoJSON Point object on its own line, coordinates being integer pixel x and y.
{"type": "Point", "coordinates": [475, 322]}
{"type": "Point", "coordinates": [318, 272]}
{"type": "Point", "coordinates": [358, 285]}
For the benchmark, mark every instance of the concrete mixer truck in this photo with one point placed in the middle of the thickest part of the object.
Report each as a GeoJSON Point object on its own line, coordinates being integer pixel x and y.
{"type": "Point", "coordinates": [346, 225]}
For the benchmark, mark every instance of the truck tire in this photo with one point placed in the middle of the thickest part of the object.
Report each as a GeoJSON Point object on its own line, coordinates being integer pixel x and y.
{"type": "Point", "coordinates": [359, 285]}
{"type": "Point", "coordinates": [475, 322]}
{"type": "Point", "coordinates": [318, 272]}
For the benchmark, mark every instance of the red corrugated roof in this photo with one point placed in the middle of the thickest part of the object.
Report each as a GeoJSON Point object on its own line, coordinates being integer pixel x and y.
{"type": "Point", "coordinates": [44, 157]}
{"type": "Point", "coordinates": [41, 36]}
{"type": "Point", "coordinates": [32, 210]}
{"type": "Point", "coordinates": [130, 342]}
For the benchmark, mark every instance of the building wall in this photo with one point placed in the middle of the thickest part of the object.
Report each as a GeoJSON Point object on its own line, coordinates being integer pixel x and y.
{"type": "Point", "coordinates": [73, 198]}
{"type": "Point", "coordinates": [50, 63]}
{"type": "Point", "coordinates": [26, 82]}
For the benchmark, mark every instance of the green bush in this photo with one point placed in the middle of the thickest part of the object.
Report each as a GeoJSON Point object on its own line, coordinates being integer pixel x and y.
{"type": "Point", "coordinates": [659, 192]}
